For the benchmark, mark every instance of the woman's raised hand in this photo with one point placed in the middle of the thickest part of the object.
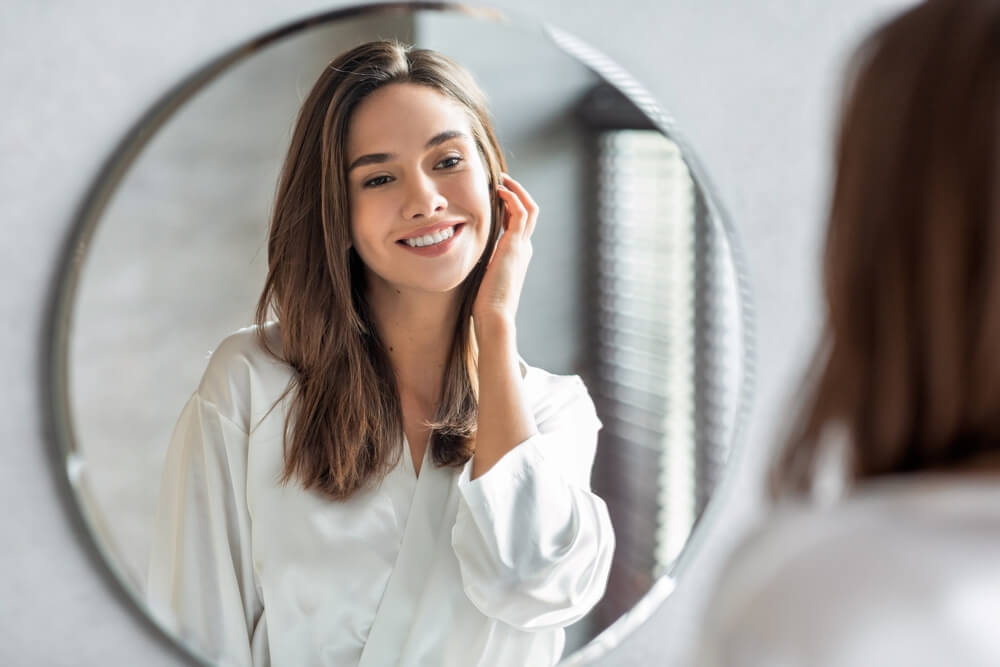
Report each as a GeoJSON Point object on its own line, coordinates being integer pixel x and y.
{"type": "Point", "coordinates": [500, 291]}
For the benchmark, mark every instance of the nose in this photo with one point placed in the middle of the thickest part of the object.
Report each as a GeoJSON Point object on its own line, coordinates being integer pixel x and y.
{"type": "Point", "coordinates": [423, 199]}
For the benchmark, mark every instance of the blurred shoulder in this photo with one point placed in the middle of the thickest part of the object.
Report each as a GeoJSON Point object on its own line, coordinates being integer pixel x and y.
{"type": "Point", "coordinates": [894, 514]}
{"type": "Point", "coordinates": [870, 575]}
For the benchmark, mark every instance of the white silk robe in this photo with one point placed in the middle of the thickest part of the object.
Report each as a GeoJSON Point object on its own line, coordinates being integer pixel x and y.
{"type": "Point", "coordinates": [433, 570]}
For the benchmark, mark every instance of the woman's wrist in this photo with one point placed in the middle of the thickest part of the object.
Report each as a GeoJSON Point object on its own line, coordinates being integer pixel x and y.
{"type": "Point", "coordinates": [494, 328]}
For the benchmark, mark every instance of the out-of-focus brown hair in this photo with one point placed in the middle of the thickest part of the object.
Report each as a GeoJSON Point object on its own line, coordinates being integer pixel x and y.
{"type": "Point", "coordinates": [909, 362]}
{"type": "Point", "coordinates": [344, 423]}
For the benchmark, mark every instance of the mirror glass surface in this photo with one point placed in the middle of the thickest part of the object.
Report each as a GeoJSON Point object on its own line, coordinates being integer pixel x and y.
{"type": "Point", "coordinates": [632, 285]}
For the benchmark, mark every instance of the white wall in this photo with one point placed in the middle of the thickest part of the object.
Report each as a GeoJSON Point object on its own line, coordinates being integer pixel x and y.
{"type": "Point", "coordinates": [751, 86]}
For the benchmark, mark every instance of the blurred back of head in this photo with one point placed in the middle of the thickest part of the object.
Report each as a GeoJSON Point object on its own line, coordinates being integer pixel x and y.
{"type": "Point", "coordinates": [909, 363]}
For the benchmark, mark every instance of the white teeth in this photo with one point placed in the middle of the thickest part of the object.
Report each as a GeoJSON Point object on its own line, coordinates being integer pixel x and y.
{"type": "Point", "coordinates": [431, 239]}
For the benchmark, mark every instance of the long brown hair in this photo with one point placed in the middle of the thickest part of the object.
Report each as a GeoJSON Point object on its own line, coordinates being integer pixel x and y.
{"type": "Point", "coordinates": [909, 363]}
{"type": "Point", "coordinates": [344, 425]}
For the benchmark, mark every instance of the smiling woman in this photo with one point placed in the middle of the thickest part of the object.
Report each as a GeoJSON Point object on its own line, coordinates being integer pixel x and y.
{"type": "Point", "coordinates": [375, 472]}
{"type": "Point", "coordinates": [289, 532]}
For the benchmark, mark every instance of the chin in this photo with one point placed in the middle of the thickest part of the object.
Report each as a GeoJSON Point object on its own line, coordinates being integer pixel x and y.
{"type": "Point", "coordinates": [439, 286]}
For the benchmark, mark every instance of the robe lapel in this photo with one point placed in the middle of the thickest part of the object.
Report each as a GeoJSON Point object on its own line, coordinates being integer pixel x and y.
{"type": "Point", "coordinates": [424, 523]}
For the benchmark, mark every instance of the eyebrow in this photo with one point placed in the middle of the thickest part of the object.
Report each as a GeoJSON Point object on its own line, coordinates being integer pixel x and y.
{"type": "Point", "coordinates": [379, 158]}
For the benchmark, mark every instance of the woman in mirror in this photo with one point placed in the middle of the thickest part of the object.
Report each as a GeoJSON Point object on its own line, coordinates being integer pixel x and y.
{"type": "Point", "coordinates": [904, 569]}
{"type": "Point", "coordinates": [371, 475]}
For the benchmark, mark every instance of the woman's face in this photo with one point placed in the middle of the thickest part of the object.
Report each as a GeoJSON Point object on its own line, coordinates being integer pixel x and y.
{"type": "Point", "coordinates": [419, 193]}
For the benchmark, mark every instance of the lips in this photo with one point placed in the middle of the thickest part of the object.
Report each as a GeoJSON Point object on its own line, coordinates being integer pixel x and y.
{"type": "Point", "coordinates": [433, 245]}
{"type": "Point", "coordinates": [430, 230]}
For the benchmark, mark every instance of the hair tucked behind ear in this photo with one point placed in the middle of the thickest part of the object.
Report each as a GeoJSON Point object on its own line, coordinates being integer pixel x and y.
{"type": "Point", "coordinates": [344, 428]}
{"type": "Point", "coordinates": [909, 364]}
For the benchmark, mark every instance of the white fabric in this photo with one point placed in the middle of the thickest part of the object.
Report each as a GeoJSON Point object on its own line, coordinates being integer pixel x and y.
{"type": "Point", "coordinates": [434, 570]}
{"type": "Point", "coordinates": [905, 572]}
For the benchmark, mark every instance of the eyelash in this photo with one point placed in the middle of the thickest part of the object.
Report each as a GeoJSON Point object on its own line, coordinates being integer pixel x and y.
{"type": "Point", "coordinates": [456, 158]}
{"type": "Point", "coordinates": [376, 182]}
{"type": "Point", "coordinates": [379, 181]}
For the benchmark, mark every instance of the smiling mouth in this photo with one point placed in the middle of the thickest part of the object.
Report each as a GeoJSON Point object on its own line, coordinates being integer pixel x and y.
{"type": "Point", "coordinates": [427, 240]}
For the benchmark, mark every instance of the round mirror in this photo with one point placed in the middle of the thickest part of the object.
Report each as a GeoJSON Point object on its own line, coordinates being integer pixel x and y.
{"type": "Point", "coordinates": [634, 285]}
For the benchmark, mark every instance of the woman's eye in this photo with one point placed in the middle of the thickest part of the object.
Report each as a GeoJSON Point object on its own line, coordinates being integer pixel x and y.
{"type": "Point", "coordinates": [377, 181]}
{"type": "Point", "coordinates": [449, 162]}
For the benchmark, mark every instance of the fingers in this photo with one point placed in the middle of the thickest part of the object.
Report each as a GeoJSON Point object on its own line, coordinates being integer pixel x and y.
{"type": "Point", "coordinates": [522, 209]}
{"type": "Point", "coordinates": [516, 213]}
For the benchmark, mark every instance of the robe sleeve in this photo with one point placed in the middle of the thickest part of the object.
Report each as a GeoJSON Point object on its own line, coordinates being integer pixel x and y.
{"type": "Point", "coordinates": [201, 583]}
{"type": "Point", "coordinates": [534, 544]}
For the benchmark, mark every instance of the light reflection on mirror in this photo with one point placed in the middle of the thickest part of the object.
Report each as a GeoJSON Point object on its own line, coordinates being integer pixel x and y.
{"type": "Point", "coordinates": [632, 284]}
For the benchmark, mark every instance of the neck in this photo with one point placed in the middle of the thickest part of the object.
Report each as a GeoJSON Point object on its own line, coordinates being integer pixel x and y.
{"type": "Point", "coordinates": [416, 329]}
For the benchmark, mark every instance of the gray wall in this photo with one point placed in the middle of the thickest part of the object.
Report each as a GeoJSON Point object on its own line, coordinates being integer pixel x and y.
{"type": "Point", "coordinates": [751, 85]}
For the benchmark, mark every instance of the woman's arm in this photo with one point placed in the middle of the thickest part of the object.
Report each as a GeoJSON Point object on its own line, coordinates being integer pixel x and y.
{"type": "Point", "coordinates": [505, 419]}
{"type": "Point", "coordinates": [534, 544]}
{"type": "Point", "coordinates": [504, 416]}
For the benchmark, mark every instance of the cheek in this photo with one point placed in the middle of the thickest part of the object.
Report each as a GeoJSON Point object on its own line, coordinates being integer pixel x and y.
{"type": "Point", "coordinates": [486, 204]}
{"type": "Point", "coordinates": [476, 195]}
{"type": "Point", "coordinates": [355, 227]}
{"type": "Point", "coordinates": [364, 222]}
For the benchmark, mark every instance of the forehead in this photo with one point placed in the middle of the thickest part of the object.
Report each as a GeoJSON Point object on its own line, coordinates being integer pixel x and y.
{"type": "Point", "coordinates": [401, 117]}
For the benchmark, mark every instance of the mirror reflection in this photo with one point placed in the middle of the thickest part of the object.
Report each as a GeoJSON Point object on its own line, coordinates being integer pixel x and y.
{"type": "Point", "coordinates": [601, 415]}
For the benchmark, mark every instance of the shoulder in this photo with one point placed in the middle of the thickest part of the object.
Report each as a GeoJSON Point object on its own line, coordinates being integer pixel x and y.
{"type": "Point", "coordinates": [551, 396]}
{"type": "Point", "coordinates": [918, 545]}
{"type": "Point", "coordinates": [241, 369]}
{"type": "Point", "coordinates": [890, 514]}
